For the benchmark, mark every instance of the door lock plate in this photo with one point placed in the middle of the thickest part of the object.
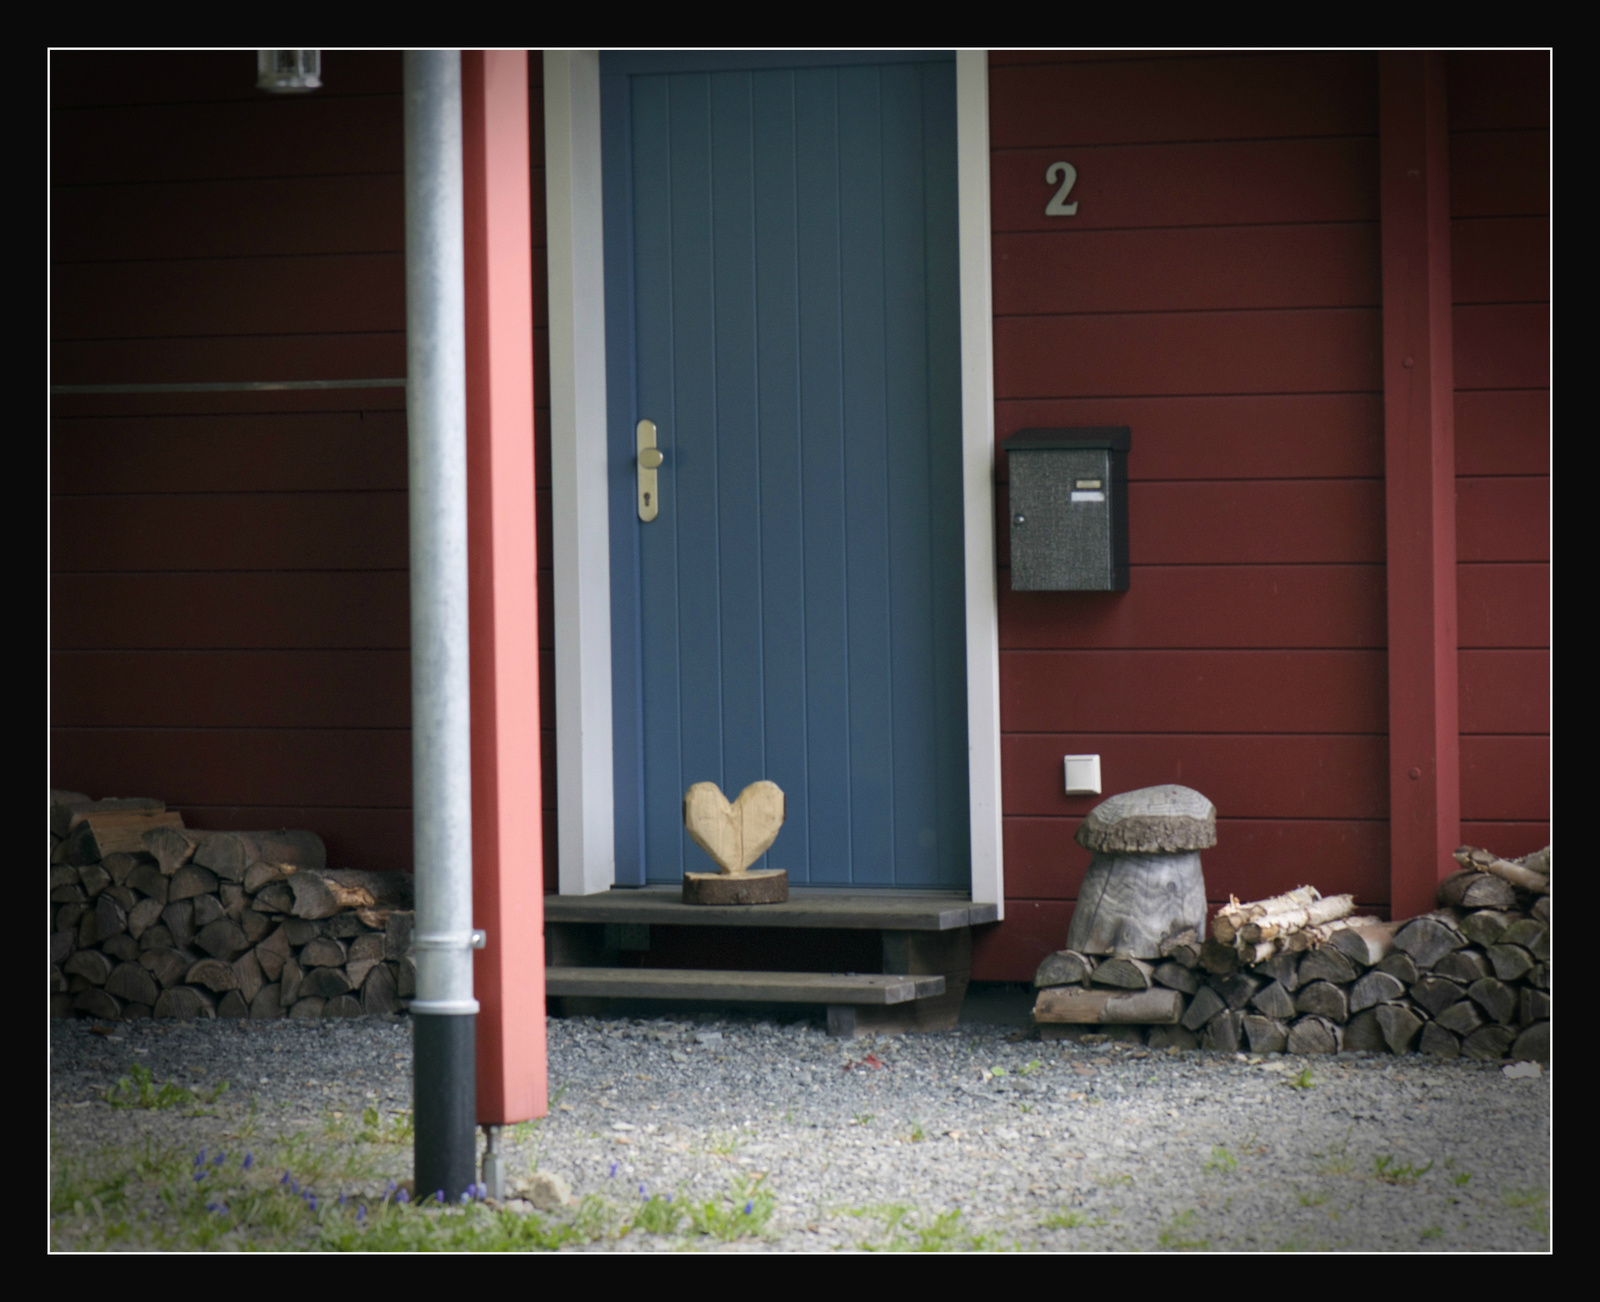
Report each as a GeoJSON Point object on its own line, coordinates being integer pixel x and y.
{"type": "Point", "coordinates": [649, 460]}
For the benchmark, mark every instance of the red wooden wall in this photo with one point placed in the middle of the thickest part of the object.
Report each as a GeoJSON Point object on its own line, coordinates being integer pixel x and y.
{"type": "Point", "coordinates": [1500, 251]}
{"type": "Point", "coordinates": [1218, 291]}
{"type": "Point", "coordinates": [230, 627]}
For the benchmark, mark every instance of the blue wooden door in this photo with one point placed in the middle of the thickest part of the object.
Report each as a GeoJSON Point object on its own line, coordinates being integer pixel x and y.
{"type": "Point", "coordinates": [781, 263]}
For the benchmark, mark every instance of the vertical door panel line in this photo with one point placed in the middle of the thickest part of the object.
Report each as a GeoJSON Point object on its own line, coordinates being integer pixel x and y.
{"type": "Point", "coordinates": [844, 478]}
{"type": "Point", "coordinates": [716, 423]}
{"type": "Point", "coordinates": [799, 451]}
{"type": "Point", "coordinates": [888, 518]}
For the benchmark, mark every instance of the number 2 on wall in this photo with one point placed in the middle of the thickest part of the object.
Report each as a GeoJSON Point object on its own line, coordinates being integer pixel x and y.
{"type": "Point", "coordinates": [1067, 174]}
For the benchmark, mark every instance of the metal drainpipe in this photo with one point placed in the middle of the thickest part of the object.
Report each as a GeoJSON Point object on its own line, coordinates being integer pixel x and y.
{"type": "Point", "coordinates": [444, 1013]}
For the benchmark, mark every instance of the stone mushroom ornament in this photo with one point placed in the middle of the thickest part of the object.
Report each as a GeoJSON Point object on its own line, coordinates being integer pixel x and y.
{"type": "Point", "coordinates": [1144, 883]}
{"type": "Point", "coordinates": [734, 835]}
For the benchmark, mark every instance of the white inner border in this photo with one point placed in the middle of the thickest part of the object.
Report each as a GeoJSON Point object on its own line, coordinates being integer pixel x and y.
{"type": "Point", "coordinates": [579, 514]}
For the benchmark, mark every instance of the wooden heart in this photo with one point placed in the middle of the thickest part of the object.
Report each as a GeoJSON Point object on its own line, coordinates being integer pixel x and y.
{"type": "Point", "coordinates": [735, 835]}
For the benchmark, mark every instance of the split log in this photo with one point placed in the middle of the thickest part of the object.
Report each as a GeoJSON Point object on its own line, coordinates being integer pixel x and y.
{"type": "Point", "coordinates": [93, 966]}
{"type": "Point", "coordinates": [324, 983]}
{"type": "Point", "coordinates": [1182, 948]}
{"type": "Point", "coordinates": [1202, 1008]}
{"type": "Point", "coordinates": [1266, 1034]}
{"type": "Point", "coordinates": [146, 878]}
{"type": "Point", "coordinates": [97, 1003]}
{"type": "Point", "coordinates": [1489, 1043]}
{"type": "Point", "coordinates": [132, 984]}
{"type": "Point", "coordinates": [263, 874]}
{"type": "Point", "coordinates": [344, 926]}
{"type": "Point", "coordinates": [247, 972]}
{"type": "Point", "coordinates": [94, 835]}
{"type": "Point", "coordinates": [1176, 977]}
{"type": "Point", "coordinates": [1123, 973]}
{"type": "Point", "coordinates": [207, 909]}
{"type": "Point", "coordinates": [1436, 993]}
{"type": "Point", "coordinates": [254, 925]}
{"type": "Point", "coordinates": [405, 977]}
{"type": "Point", "coordinates": [1316, 937]}
{"type": "Point", "coordinates": [271, 961]}
{"type": "Point", "coordinates": [1495, 998]}
{"type": "Point", "coordinates": [191, 880]}
{"type": "Point", "coordinates": [172, 847]}
{"type": "Point", "coordinates": [1274, 1001]}
{"type": "Point", "coordinates": [223, 938]}
{"type": "Point", "coordinates": [1218, 958]}
{"type": "Point", "coordinates": [1538, 861]}
{"type": "Point", "coordinates": [1363, 1033]}
{"type": "Point", "coordinates": [178, 918]}
{"type": "Point", "coordinates": [61, 803]}
{"type": "Point", "coordinates": [322, 893]}
{"type": "Point", "coordinates": [185, 1002]}
{"type": "Point", "coordinates": [1534, 1043]}
{"type": "Point", "coordinates": [1327, 964]}
{"type": "Point", "coordinates": [1238, 988]}
{"type": "Point", "coordinates": [1463, 1017]}
{"type": "Point", "coordinates": [144, 915]}
{"type": "Point", "coordinates": [342, 1006]}
{"type": "Point", "coordinates": [1368, 944]}
{"type": "Point", "coordinates": [213, 974]}
{"type": "Point", "coordinates": [1485, 861]}
{"type": "Point", "coordinates": [266, 1004]}
{"type": "Point", "coordinates": [366, 946]}
{"type": "Point", "coordinates": [233, 899]}
{"type": "Point", "coordinates": [1463, 965]}
{"type": "Point", "coordinates": [1400, 1026]}
{"type": "Point", "coordinates": [1531, 934]}
{"type": "Point", "coordinates": [1282, 968]}
{"type": "Point", "coordinates": [1324, 999]}
{"type": "Point", "coordinates": [357, 968]}
{"type": "Point", "coordinates": [274, 898]}
{"type": "Point", "coordinates": [93, 878]}
{"type": "Point", "coordinates": [1259, 952]}
{"type": "Point", "coordinates": [1312, 1034]}
{"type": "Point", "coordinates": [1224, 1033]}
{"type": "Point", "coordinates": [310, 1006]}
{"type": "Point", "coordinates": [63, 874]}
{"type": "Point", "coordinates": [119, 865]}
{"type": "Point", "coordinates": [1540, 976]}
{"type": "Point", "coordinates": [1438, 1041]}
{"type": "Point", "coordinates": [233, 1004]}
{"type": "Point", "coordinates": [122, 947]}
{"type": "Point", "coordinates": [167, 966]}
{"type": "Point", "coordinates": [323, 951]}
{"type": "Point", "coordinates": [110, 918]}
{"type": "Point", "coordinates": [290, 981]}
{"type": "Point", "coordinates": [1076, 1005]}
{"type": "Point", "coordinates": [1541, 908]}
{"type": "Point", "coordinates": [1374, 988]}
{"type": "Point", "coordinates": [378, 992]}
{"type": "Point", "coordinates": [1429, 938]}
{"type": "Point", "coordinates": [68, 916]}
{"type": "Point", "coordinates": [62, 944]}
{"type": "Point", "coordinates": [1533, 1006]}
{"type": "Point", "coordinates": [1486, 926]}
{"type": "Point", "coordinates": [1471, 889]}
{"type": "Point", "coordinates": [1400, 966]}
{"type": "Point", "coordinates": [1065, 967]}
{"type": "Point", "coordinates": [1510, 962]}
{"type": "Point", "coordinates": [300, 931]}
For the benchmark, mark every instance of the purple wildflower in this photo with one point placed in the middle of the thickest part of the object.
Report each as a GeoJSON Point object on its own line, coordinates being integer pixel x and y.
{"type": "Point", "coordinates": [200, 1158]}
{"type": "Point", "coordinates": [750, 1207]}
{"type": "Point", "coordinates": [218, 1207]}
{"type": "Point", "coordinates": [249, 1161]}
{"type": "Point", "coordinates": [199, 1176]}
{"type": "Point", "coordinates": [361, 1213]}
{"type": "Point", "coordinates": [219, 1158]}
{"type": "Point", "coordinates": [613, 1174]}
{"type": "Point", "coordinates": [312, 1199]}
{"type": "Point", "coordinates": [402, 1197]}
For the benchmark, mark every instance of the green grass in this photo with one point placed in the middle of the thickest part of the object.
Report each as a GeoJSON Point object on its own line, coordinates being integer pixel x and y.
{"type": "Point", "coordinates": [1221, 1160]}
{"type": "Point", "coordinates": [138, 1089]}
{"type": "Point", "coordinates": [903, 1230]}
{"type": "Point", "coordinates": [1303, 1081]}
{"type": "Point", "coordinates": [1390, 1171]}
{"type": "Point", "coordinates": [1171, 1238]}
{"type": "Point", "coordinates": [1070, 1221]}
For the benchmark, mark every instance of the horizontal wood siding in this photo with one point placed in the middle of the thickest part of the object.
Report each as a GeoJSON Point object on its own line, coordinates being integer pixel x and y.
{"type": "Point", "coordinates": [1500, 258]}
{"type": "Point", "coordinates": [1219, 293]}
{"type": "Point", "coordinates": [230, 591]}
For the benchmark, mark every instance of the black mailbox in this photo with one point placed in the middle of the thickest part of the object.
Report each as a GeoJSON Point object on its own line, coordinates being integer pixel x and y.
{"type": "Point", "coordinates": [1069, 509]}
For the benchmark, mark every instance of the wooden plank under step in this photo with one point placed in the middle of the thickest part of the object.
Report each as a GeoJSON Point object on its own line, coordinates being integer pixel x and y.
{"type": "Point", "coordinates": [743, 987]}
{"type": "Point", "coordinates": [806, 907]}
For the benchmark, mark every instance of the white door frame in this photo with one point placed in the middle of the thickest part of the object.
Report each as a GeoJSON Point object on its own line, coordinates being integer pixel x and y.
{"type": "Point", "coordinates": [579, 513]}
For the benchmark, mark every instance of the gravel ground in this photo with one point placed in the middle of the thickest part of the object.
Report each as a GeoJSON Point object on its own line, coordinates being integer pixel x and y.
{"type": "Point", "coordinates": [1055, 1146]}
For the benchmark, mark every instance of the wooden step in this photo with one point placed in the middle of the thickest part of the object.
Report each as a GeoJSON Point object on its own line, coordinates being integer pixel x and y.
{"type": "Point", "coordinates": [757, 987]}
{"type": "Point", "coordinates": [806, 907]}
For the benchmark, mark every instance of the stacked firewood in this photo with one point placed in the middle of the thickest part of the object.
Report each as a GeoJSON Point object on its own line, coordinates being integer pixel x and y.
{"type": "Point", "coordinates": [150, 918]}
{"type": "Point", "coordinates": [1300, 973]}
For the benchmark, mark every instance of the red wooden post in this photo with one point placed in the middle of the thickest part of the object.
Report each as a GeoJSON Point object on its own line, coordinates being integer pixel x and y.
{"type": "Point", "coordinates": [1419, 440]}
{"type": "Point", "coordinates": [507, 833]}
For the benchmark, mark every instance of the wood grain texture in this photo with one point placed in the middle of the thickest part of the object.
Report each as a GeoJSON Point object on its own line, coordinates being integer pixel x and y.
{"type": "Point", "coordinates": [1252, 436]}
{"type": "Point", "coordinates": [1500, 174]}
{"type": "Point", "coordinates": [1505, 778]}
{"type": "Point", "coordinates": [231, 531]}
{"type": "Point", "coordinates": [1505, 691]}
{"type": "Point", "coordinates": [1204, 98]}
{"type": "Point", "coordinates": [1500, 260]}
{"type": "Point", "coordinates": [1188, 269]}
{"type": "Point", "coordinates": [1130, 903]}
{"type": "Point", "coordinates": [1503, 605]}
{"type": "Point", "coordinates": [240, 452]}
{"type": "Point", "coordinates": [1253, 858]}
{"type": "Point", "coordinates": [1245, 776]}
{"type": "Point", "coordinates": [1324, 351]}
{"type": "Point", "coordinates": [1194, 606]}
{"type": "Point", "coordinates": [1200, 183]}
{"type": "Point", "coordinates": [192, 611]}
{"type": "Point", "coordinates": [231, 689]}
{"type": "Point", "coordinates": [1503, 432]}
{"type": "Point", "coordinates": [1194, 691]}
{"type": "Point", "coordinates": [1503, 519]}
{"type": "Point", "coordinates": [1502, 346]}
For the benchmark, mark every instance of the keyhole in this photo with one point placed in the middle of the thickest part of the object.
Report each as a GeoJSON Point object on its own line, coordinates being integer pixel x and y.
{"type": "Point", "coordinates": [647, 499]}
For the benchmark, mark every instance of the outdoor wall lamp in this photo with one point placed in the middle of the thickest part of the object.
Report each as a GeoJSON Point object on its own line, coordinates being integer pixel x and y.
{"type": "Point", "coordinates": [288, 72]}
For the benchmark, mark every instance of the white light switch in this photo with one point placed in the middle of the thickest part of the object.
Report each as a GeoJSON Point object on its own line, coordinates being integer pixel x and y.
{"type": "Point", "coordinates": [1083, 775]}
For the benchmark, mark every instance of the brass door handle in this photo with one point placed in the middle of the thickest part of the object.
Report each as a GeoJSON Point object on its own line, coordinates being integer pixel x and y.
{"type": "Point", "coordinates": [649, 461]}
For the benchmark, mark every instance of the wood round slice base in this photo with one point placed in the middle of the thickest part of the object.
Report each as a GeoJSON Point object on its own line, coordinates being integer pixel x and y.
{"type": "Point", "coordinates": [770, 886]}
